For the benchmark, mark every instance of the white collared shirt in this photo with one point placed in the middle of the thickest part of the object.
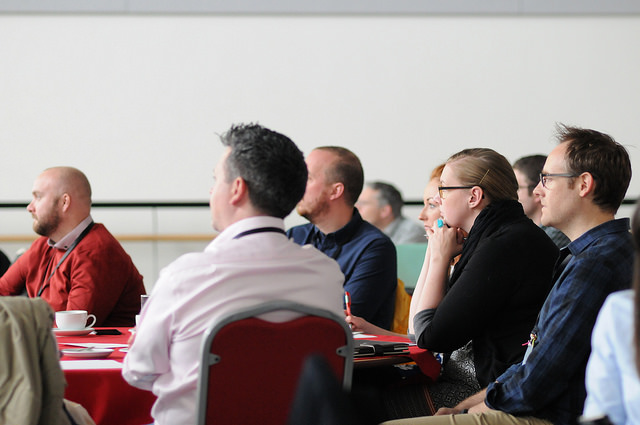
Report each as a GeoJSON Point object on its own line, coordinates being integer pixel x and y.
{"type": "Point", "coordinates": [200, 288]}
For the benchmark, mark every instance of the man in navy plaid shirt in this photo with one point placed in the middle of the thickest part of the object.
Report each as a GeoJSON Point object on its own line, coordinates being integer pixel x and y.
{"type": "Point", "coordinates": [582, 184]}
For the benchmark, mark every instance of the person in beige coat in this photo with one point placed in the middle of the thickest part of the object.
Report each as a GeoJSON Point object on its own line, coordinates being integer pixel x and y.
{"type": "Point", "coordinates": [32, 381]}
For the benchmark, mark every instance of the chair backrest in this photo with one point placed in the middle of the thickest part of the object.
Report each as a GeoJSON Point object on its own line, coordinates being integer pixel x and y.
{"type": "Point", "coordinates": [410, 259]}
{"type": "Point", "coordinates": [250, 367]}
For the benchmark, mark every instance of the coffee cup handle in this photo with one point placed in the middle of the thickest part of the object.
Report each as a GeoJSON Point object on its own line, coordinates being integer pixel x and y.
{"type": "Point", "coordinates": [91, 316]}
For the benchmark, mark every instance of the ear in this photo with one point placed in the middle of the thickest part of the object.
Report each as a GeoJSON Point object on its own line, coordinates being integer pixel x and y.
{"type": "Point", "coordinates": [476, 197]}
{"type": "Point", "coordinates": [586, 184]}
{"type": "Point", "coordinates": [386, 211]}
{"type": "Point", "coordinates": [337, 190]}
{"type": "Point", "coordinates": [65, 202]}
{"type": "Point", "coordinates": [239, 191]}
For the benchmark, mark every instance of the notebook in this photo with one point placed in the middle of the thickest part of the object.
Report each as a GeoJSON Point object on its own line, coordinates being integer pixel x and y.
{"type": "Point", "coordinates": [369, 348]}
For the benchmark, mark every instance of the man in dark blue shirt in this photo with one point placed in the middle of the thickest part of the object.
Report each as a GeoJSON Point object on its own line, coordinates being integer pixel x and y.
{"type": "Point", "coordinates": [366, 256]}
{"type": "Point", "coordinates": [582, 184]}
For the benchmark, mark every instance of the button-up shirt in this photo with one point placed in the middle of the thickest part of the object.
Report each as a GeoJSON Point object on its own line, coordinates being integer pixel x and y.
{"type": "Point", "coordinates": [549, 383]}
{"type": "Point", "coordinates": [367, 258]}
{"type": "Point", "coordinates": [238, 269]}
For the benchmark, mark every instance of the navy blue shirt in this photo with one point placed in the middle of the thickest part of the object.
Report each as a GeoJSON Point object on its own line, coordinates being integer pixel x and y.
{"type": "Point", "coordinates": [367, 257]}
{"type": "Point", "coordinates": [549, 384]}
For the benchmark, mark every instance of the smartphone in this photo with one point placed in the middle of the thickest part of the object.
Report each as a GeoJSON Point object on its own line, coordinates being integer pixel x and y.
{"type": "Point", "coordinates": [108, 332]}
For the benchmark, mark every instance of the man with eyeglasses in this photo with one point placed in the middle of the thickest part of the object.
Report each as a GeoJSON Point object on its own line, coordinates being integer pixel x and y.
{"type": "Point", "coordinates": [582, 185]}
{"type": "Point", "coordinates": [527, 170]}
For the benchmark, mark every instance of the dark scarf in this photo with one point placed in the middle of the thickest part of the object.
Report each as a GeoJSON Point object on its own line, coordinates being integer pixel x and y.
{"type": "Point", "coordinates": [490, 219]}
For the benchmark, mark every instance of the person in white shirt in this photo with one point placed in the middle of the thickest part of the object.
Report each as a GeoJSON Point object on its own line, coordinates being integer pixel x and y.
{"type": "Point", "coordinates": [258, 181]}
{"type": "Point", "coordinates": [613, 371]}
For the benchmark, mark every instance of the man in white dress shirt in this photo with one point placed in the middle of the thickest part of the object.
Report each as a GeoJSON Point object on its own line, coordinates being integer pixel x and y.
{"type": "Point", "coordinates": [258, 181]}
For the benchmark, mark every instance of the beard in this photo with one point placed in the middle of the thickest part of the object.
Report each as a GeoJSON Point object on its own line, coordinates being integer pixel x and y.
{"type": "Point", "coordinates": [312, 209]}
{"type": "Point", "coordinates": [45, 226]}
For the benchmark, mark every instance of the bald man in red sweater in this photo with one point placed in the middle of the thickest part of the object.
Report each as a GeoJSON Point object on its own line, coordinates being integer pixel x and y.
{"type": "Point", "coordinates": [76, 264]}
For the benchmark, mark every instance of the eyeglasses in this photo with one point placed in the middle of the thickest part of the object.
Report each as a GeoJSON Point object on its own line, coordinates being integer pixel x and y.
{"type": "Point", "coordinates": [544, 177]}
{"type": "Point", "coordinates": [443, 189]}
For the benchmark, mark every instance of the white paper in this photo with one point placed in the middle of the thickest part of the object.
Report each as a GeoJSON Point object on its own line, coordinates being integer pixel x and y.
{"type": "Point", "coordinates": [363, 336]}
{"type": "Point", "coordinates": [95, 345]}
{"type": "Point", "coordinates": [90, 364]}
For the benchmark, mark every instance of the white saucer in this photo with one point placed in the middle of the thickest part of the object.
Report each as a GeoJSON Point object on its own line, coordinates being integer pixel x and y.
{"type": "Point", "coordinates": [72, 332]}
{"type": "Point", "coordinates": [87, 353]}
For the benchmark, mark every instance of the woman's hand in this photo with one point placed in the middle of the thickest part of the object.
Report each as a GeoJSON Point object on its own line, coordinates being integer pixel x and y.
{"type": "Point", "coordinates": [358, 324]}
{"type": "Point", "coordinates": [446, 242]}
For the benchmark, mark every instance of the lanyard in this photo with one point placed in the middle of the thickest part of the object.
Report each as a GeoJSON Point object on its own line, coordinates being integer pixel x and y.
{"type": "Point", "coordinates": [259, 230]}
{"type": "Point", "coordinates": [66, 254]}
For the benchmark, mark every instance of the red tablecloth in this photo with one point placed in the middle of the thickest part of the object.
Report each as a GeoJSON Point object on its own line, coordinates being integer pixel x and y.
{"type": "Point", "coordinates": [108, 398]}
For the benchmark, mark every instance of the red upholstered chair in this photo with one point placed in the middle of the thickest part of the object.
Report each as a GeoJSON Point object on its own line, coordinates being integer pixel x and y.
{"type": "Point", "coordinates": [250, 367]}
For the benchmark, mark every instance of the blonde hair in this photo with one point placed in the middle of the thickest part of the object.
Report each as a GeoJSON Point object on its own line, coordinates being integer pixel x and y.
{"type": "Point", "coordinates": [488, 169]}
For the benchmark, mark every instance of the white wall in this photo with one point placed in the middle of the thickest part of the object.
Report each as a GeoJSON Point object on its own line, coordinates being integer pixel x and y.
{"type": "Point", "coordinates": [136, 101]}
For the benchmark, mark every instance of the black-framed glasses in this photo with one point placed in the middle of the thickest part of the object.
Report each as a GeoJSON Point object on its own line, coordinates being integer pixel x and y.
{"type": "Point", "coordinates": [443, 189]}
{"type": "Point", "coordinates": [544, 177]}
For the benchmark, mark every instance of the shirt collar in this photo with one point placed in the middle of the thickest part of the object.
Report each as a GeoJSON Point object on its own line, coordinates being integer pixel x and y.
{"type": "Point", "coordinates": [247, 224]}
{"type": "Point", "coordinates": [344, 234]}
{"type": "Point", "coordinates": [592, 235]}
{"type": "Point", "coordinates": [68, 239]}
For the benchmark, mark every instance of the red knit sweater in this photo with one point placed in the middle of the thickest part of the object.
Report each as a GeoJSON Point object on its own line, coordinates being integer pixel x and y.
{"type": "Point", "coordinates": [97, 276]}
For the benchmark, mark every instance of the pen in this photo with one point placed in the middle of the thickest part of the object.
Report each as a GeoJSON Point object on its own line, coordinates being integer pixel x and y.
{"type": "Point", "coordinates": [347, 302]}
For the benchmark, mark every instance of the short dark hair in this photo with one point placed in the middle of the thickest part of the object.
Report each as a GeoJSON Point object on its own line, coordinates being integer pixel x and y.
{"type": "Point", "coordinates": [347, 170]}
{"type": "Point", "coordinates": [271, 165]}
{"type": "Point", "coordinates": [531, 166]}
{"type": "Point", "coordinates": [589, 151]}
{"type": "Point", "coordinates": [388, 195]}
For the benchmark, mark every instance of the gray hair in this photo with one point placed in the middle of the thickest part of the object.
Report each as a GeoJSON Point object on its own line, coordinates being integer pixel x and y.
{"type": "Point", "coordinates": [387, 194]}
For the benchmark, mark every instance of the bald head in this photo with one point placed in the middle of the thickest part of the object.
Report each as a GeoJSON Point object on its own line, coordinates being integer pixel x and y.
{"type": "Point", "coordinates": [61, 200]}
{"type": "Point", "coordinates": [71, 181]}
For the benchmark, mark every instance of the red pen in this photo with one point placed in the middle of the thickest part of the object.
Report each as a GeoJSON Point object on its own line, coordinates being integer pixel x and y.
{"type": "Point", "coordinates": [347, 302]}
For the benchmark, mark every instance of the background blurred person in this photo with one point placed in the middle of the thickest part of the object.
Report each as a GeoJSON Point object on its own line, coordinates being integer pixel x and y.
{"type": "Point", "coordinates": [381, 205]}
{"type": "Point", "coordinates": [527, 170]}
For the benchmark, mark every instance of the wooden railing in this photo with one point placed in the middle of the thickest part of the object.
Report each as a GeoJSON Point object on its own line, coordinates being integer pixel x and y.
{"type": "Point", "coordinates": [159, 237]}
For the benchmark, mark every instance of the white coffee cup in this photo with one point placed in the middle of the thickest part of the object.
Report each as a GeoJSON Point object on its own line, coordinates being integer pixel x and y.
{"type": "Point", "coordinates": [74, 319]}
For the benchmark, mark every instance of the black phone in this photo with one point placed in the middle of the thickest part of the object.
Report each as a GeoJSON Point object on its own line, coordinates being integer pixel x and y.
{"type": "Point", "coordinates": [108, 332]}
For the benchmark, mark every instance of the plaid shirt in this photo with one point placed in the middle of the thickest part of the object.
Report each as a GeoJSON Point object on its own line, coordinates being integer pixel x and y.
{"type": "Point", "coordinates": [549, 383]}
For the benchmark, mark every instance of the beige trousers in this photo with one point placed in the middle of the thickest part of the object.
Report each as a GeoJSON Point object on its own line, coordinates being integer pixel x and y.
{"type": "Point", "coordinates": [493, 417]}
